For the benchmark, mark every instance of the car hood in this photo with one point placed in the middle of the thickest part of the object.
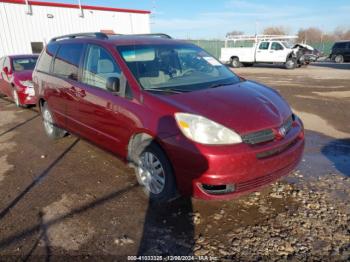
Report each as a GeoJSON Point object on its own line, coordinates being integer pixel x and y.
{"type": "Point", "coordinates": [244, 107]}
{"type": "Point", "coordinates": [23, 75]}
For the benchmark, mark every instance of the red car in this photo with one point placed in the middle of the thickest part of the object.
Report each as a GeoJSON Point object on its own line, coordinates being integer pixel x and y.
{"type": "Point", "coordinates": [185, 121]}
{"type": "Point", "coordinates": [16, 78]}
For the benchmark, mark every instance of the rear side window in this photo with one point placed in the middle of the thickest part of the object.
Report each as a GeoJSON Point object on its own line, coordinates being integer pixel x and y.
{"type": "Point", "coordinates": [45, 59]}
{"type": "Point", "coordinates": [264, 45]}
{"type": "Point", "coordinates": [67, 60]}
{"type": "Point", "coordinates": [99, 65]}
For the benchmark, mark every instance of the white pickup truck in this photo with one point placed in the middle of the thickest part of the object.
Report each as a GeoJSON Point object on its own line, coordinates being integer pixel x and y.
{"type": "Point", "coordinates": [264, 49]}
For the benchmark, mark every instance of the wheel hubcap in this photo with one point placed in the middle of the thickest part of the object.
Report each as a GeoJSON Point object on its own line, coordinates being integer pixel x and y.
{"type": "Point", "coordinates": [150, 173]}
{"type": "Point", "coordinates": [290, 63]}
{"type": "Point", "coordinates": [338, 59]}
{"type": "Point", "coordinates": [48, 121]}
{"type": "Point", "coordinates": [235, 63]}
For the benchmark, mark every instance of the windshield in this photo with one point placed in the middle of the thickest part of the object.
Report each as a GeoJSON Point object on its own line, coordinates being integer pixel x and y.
{"type": "Point", "coordinates": [179, 67]}
{"type": "Point", "coordinates": [287, 44]}
{"type": "Point", "coordinates": [21, 64]}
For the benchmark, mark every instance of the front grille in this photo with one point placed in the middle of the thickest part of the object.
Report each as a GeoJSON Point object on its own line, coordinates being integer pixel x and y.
{"type": "Point", "coordinates": [258, 137]}
{"type": "Point", "coordinates": [266, 134]}
{"type": "Point", "coordinates": [276, 151]}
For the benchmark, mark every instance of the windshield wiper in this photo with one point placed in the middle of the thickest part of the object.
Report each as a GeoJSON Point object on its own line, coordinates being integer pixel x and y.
{"type": "Point", "coordinates": [218, 85]}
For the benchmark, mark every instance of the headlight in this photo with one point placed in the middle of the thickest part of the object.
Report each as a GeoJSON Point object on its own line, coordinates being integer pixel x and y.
{"type": "Point", "coordinates": [205, 131]}
{"type": "Point", "coordinates": [27, 83]}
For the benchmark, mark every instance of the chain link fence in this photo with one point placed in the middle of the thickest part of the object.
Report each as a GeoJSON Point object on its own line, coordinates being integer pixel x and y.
{"type": "Point", "coordinates": [214, 46]}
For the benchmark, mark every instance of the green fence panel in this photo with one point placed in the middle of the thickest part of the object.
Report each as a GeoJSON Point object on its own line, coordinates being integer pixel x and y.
{"type": "Point", "coordinates": [214, 46]}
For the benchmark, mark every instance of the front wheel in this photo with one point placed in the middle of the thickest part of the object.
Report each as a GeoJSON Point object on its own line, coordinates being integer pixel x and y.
{"type": "Point", "coordinates": [16, 98]}
{"type": "Point", "coordinates": [154, 172]}
{"type": "Point", "coordinates": [51, 129]}
{"type": "Point", "coordinates": [339, 59]}
{"type": "Point", "coordinates": [290, 63]}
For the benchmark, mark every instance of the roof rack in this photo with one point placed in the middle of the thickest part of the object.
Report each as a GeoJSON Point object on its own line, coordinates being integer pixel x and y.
{"type": "Point", "coordinates": [257, 38]}
{"type": "Point", "coordinates": [160, 35]}
{"type": "Point", "coordinates": [98, 35]}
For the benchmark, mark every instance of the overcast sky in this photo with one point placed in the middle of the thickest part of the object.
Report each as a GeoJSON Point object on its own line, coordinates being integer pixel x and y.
{"type": "Point", "coordinates": [214, 18]}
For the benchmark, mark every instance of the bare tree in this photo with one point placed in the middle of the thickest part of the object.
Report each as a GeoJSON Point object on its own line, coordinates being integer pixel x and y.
{"type": "Point", "coordinates": [234, 32]}
{"type": "Point", "coordinates": [276, 30]}
{"type": "Point", "coordinates": [311, 35]}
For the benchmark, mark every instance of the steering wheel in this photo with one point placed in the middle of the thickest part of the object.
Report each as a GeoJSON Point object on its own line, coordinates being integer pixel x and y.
{"type": "Point", "coordinates": [188, 72]}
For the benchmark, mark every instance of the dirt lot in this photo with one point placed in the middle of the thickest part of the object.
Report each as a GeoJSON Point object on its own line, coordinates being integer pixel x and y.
{"type": "Point", "coordinates": [69, 200]}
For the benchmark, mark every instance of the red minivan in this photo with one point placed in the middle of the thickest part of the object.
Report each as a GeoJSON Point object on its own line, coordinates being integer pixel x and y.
{"type": "Point", "coordinates": [16, 78]}
{"type": "Point", "coordinates": [185, 121]}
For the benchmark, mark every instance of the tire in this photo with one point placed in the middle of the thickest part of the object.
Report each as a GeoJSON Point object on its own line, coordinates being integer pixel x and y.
{"type": "Point", "coordinates": [234, 62]}
{"type": "Point", "coordinates": [16, 98]}
{"type": "Point", "coordinates": [51, 130]}
{"type": "Point", "coordinates": [150, 159]}
{"type": "Point", "coordinates": [339, 59]}
{"type": "Point", "coordinates": [290, 63]}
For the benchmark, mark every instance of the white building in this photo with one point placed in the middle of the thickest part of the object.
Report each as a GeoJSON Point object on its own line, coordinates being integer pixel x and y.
{"type": "Point", "coordinates": [26, 26]}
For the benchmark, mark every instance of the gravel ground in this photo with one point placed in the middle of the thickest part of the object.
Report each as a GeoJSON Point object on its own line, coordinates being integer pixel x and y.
{"type": "Point", "coordinates": [68, 200]}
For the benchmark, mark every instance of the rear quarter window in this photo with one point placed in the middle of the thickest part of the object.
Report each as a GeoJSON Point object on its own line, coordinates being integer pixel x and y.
{"type": "Point", "coordinates": [264, 45]}
{"type": "Point", "coordinates": [45, 58]}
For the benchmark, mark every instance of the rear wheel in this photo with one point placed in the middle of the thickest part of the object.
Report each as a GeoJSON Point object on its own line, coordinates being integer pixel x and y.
{"type": "Point", "coordinates": [339, 59]}
{"type": "Point", "coordinates": [51, 129]}
{"type": "Point", "coordinates": [290, 63]}
{"type": "Point", "coordinates": [154, 172]}
{"type": "Point", "coordinates": [234, 62]}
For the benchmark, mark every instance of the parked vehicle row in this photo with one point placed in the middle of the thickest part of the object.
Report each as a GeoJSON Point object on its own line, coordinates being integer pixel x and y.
{"type": "Point", "coordinates": [186, 122]}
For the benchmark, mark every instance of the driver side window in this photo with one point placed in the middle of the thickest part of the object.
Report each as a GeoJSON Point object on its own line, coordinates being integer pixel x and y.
{"type": "Point", "coordinates": [276, 46]}
{"type": "Point", "coordinates": [99, 65]}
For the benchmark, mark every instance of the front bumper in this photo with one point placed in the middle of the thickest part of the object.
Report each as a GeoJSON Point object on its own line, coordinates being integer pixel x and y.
{"type": "Point", "coordinates": [244, 168]}
{"type": "Point", "coordinates": [27, 99]}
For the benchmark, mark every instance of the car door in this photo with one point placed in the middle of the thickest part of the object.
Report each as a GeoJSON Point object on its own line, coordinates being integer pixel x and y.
{"type": "Point", "coordinates": [277, 53]}
{"type": "Point", "coordinates": [103, 115]}
{"type": "Point", "coordinates": [65, 70]}
{"type": "Point", "coordinates": [347, 51]}
{"type": "Point", "coordinates": [262, 53]}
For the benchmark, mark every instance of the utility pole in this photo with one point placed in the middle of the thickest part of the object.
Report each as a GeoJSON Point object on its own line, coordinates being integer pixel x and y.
{"type": "Point", "coordinates": [81, 9]}
{"type": "Point", "coordinates": [29, 8]}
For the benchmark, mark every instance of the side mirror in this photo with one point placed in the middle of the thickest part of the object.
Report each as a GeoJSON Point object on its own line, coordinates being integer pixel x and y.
{"type": "Point", "coordinates": [113, 84]}
{"type": "Point", "coordinates": [6, 70]}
